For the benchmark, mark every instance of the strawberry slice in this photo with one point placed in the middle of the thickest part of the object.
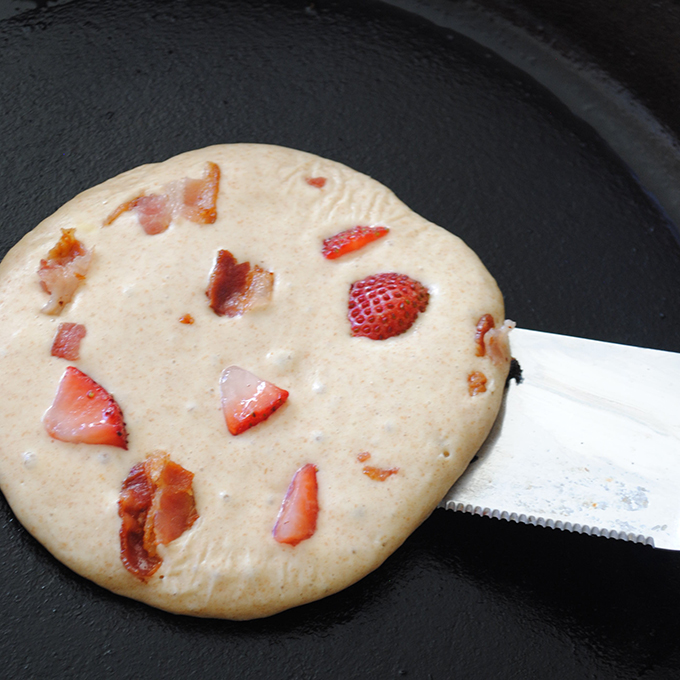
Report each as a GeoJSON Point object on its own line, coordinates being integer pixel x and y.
{"type": "Point", "coordinates": [247, 400]}
{"type": "Point", "coordinates": [296, 521]}
{"type": "Point", "coordinates": [384, 305]}
{"type": "Point", "coordinates": [83, 412]}
{"type": "Point", "coordinates": [350, 240]}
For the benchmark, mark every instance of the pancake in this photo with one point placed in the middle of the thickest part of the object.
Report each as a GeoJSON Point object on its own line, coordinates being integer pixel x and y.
{"type": "Point", "coordinates": [191, 282]}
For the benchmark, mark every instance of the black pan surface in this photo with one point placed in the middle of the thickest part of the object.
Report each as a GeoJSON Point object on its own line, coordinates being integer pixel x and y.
{"type": "Point", "coordinates": [579, 246]}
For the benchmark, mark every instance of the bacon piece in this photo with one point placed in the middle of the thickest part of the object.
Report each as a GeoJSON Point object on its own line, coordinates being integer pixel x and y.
{"type": "Point", "coordinates": [485, 324]}
{"type": "Point", "coordinates": [199, 200]}
{"type": "Point", "coordinates": [235, 288]}
{"type": "Point", "coordinates": [318, 182]}
{"type": "Point", "coordinates": [134, 502]}
{"type": "Point", "coordinates": [156, 505]}
{"type": "Point", "coordinates": [476, 383]}
{"type": "Point", "coordinates": [63, 271]}
{"type": "Point", "coordinates": [379, 474]}
{"type": "Point", "coordinates": [66, 343]}
{"type": "Point", "coordinates": [154, 212]}
{"type": "Point", "coordinates": [493, 342]}
{"type": "Point", "coordinates": [194, 199]}
{"type": "Point", "coordinates": [173, 509]}
{"type": "Point", "coordinates": [497, 345]}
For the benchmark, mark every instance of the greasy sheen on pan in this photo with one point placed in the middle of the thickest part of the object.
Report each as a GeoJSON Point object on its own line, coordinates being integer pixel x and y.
{"type": "Point", "coordinates": [300, 451]}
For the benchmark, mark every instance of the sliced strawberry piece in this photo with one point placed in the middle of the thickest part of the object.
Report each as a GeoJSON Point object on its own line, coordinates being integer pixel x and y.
{"type": "Point", "coordinates": [156, 505]}
{"type": "Point", "coordinates": [350, 240]}
{"type": "Point", "coordinates": [83, 412]}
{"type": "Point", "coordinates": [63, 271]}
{"type": "Point", "coordinates": [235, 287]}
{"type": "Point", "coordinates": [384, 305]}
{"type": "Point", "coordinates": [247, 400]}
{"type": "Point", "coordinates": [66, 343]}
{"type": "Point", "coordinates": [297, 517]}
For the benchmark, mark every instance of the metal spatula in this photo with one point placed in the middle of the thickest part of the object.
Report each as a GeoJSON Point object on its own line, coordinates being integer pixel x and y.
{"type": "Point", "coordinates": [588, 440]}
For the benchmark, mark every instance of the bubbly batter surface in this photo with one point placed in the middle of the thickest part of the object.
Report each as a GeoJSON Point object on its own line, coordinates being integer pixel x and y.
{"type": "Point", "coordinates": [405, 400]}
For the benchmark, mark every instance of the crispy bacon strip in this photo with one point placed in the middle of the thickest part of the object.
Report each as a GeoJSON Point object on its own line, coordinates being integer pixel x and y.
{"type": "Point", "coordinates": [154, 212]}
{"type": "Point", "coordinates": [235, 287]}
{"type": "Point", "coordinates": [63, 270]}
{"type": "Point", "coordinates": [497, 345]}
{"type": "Point", "coordinates": [66, 343]}
{"type": "Point", "coordinates": [156, 505]}
{"type": "Point", "coordinates": [199, 201]}
{"type": "Point", "coordinates": [378, 474]}
{"type": "Point", "coordinates": [375, 473]}
{"type": "Point", "coordinates": [485, 324]}
{"type": "Point", "coordinates": [194, 199]}
{"type": "Point", "coordinates": [476, 383]}
{"type": "Point", "coordinates": [493, 342]}
{"type": "Point", "coordinates": [134, 502]}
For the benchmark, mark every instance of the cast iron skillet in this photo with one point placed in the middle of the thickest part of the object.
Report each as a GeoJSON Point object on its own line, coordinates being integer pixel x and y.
{"type": "Point", "coordinates": [577, 243]}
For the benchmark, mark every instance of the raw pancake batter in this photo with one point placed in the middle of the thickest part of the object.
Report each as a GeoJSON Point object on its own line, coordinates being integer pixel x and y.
{"type": "Point", "coordinates": [387, 424]}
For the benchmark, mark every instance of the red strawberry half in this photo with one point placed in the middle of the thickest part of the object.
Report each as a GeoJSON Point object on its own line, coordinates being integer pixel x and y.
{"type": "Point", "coordinates": [351, 240]}
{"type": "Point", "coordinates": [297, 518]}
{"type": "Point", "coordinates": [83, 412]}
{"type": "Point", "coordinates": [247, 400]}
{"type": "Point", "coordinates": [384, 305]}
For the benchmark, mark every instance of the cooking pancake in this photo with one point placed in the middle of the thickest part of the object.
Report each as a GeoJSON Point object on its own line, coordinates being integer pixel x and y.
{"type": "Point", "coordinates": [219, 271]}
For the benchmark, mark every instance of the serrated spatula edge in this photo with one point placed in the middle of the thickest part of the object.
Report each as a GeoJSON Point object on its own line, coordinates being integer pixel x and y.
{"type": "Point", "coordinates": [589, 442]}
{"type": "Point", "coordinates": [549, 523]}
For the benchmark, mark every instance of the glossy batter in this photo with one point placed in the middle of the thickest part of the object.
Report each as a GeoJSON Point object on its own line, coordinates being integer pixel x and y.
{"type": "Point", "coordinates": [406, 400]}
